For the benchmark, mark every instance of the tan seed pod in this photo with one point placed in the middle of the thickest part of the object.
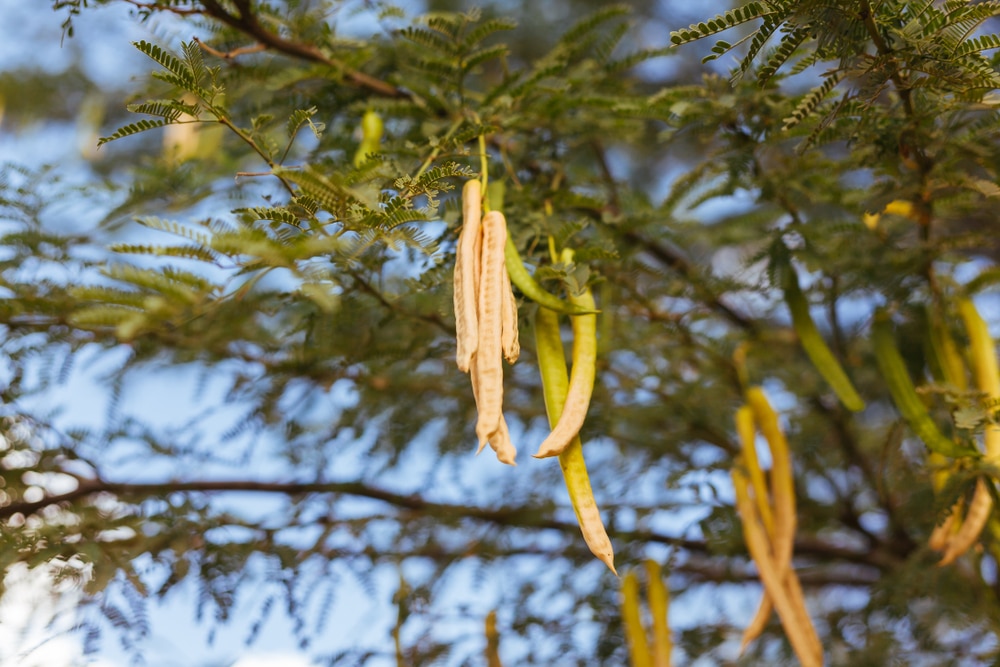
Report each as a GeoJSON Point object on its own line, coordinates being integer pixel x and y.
{"type": "Point", "coordinates": [511, 343]}
{"type": "Point", "coordinates": [782, 486]}
{"type": "Point", "coordinates": [467, 275]}
{"type": "Point", "coordinates": [490, 312]}
{"type": "Point", "coordinates": [758, 623]}
{"type": "Point", "coordinates": [782, 586]}
{"type": "Point", "coordinates": [943, 533]}
{"type": "Point", "coordinates": [500, 443]}
{"type": "Point", "coordinates": [973, 524]}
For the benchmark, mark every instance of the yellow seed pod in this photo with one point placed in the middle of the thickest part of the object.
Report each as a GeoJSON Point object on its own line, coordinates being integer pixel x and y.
{"type": "Point", "coordinates": [782, 485]}
{"type": "Point", "coordinates": [371, 136]}
{"type": "Point", "coordinates": [555, 382]}
{"type": "Point", "coordinates": [747, 436]}
{"type": "Point", "coordinates": [492, 641]}
{"type": "Point", "coordinates": [659, 603]}
{"type": "Point", "coordinates": [781, 584]}
{"type": "Point", "coordinates": [635, 634]}
{"type": "Point", "coordinates": [986, 371]}
{"type": "Point", "coordinates": [582, 376]}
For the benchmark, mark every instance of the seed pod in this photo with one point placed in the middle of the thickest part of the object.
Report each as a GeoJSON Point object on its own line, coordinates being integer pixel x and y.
{"type": "Point", "coordinates": [510, 341]}
{"type": "Point", "coordinates": [982, 355]}
{"type": "Point", "coordinates": [816, 348]}
{"type": "Point", "coordinates": [897, 379]}
{"type": "Point", "coordinates": [467, 260]}
{"type": "Point", "coordinates": [581, 383]}
{"type": "Point", "coordinates": [975, 520]}
{"type": "Point", "coordinates": [745, 431]}
{"type": "Point", "coordinates": [946, 366]}
{"type": "Point", "coordinates": [371, 136]}
{"type": "Point", "coordinates": [985, 370]}
{"type": "Point", "coordinates": [501, 442]}
{"type": "Point", "coordinates": [942, 353]}
{"type": "Point", "coordinates": [635, 634]}
{"type": "Point", "coordinates": [758, 622]}
{"type": "Point", "coordinates": [747, 436]}
{"type": "Point", "coordinates": [782, 485]}
{"type": "Point", "coordinates": [492, 641]}
{"type": "Point", "coordinates": [555, 383]}
{"type": "Point", "coordinates": [490, 312]}
{"type": "Point", "coordinates": [782, 587]}
{"type": "Point", "coordinates": [530, 288]}
{"type": "Point", "coordinates": [943, 532]}
{"type": "Point", "coordinates": [659, 602]}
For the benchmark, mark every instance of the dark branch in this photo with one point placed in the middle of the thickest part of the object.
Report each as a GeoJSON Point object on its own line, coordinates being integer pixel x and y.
{"type": "Point", "coordinates": [247, 23]}
{"type": "Point", "coordinates": [519, 517]}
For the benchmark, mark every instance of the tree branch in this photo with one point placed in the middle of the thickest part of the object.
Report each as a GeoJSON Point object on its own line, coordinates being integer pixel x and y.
{"type": "Point", "coordinates": [247, 23]}
{"type": "Point", "coordinates": [510, 516]}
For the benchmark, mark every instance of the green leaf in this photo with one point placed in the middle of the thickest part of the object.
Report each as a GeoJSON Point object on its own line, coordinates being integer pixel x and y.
{"type": "Point", "coordinates": [131, 129]}
{"type": "Point", "coordinates": [719, 23]}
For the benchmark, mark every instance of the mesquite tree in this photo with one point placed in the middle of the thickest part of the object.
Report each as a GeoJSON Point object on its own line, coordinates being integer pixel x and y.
{"type": "Point", "coordinates": [790, 248]}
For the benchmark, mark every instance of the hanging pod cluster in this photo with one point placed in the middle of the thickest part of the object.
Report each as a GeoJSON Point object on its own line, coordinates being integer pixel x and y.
{"type": "Point", "coordinates": [485, 317]}
{"type": "Point", "coordinates": [767, 512]}
{"type": "Point", "coordinates": [556, 386]}
{"type": "Point", "coordinates": [486, 329]}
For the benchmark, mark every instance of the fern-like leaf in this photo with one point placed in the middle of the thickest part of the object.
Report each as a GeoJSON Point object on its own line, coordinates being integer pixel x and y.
{"type": "Point", "coordinates": [194, 59]}
{"type": "Point", "coordinates": [486, 29]}
{"type": "Point", "coordinates": [635, 58]}
{"type": "Point", "coordinates": [166, 109]}
{"type": "Point", "coordinates": [591, 22]}
{"type": "Point", "coordinates": [184, 251]}
{"type": "Point", "coordinates": [132, 128]}
{"type": "Point", "coordinates": [330, 194]}
{"type": "Point", "coordinates": [811, 101]}
{"type": "Point", "coordinates": [450, 24]}
{"type": "Point", "coordinates": [608, 44]}
{"type": "Point", "coordinates": [177, 229]}
{"type": "Point", "coordinates": [789, 44]}
{"type": "Point", "coordinates": [730, 19]}
{"type": "Point", "coordinates": [756, 44]}
{"type": "Point", "coordinates": [484, 55]}
{"type": "Point", "coordinates": [302, 117]}
{"type": "Point", "coordinates": [978, 44]}
{"type": "Point", "coordinates": [430, 40]}
{"type": "Point", "coordinates": [276, 214]}
{"type": "Point", "coordinates": [166, 60]}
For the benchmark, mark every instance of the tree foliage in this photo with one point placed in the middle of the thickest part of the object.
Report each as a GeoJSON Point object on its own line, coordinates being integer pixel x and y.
{"type": "Point", "coordinates": [816, 221]}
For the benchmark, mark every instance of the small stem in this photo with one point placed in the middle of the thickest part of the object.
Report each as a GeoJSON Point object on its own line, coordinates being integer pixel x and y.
{"type": "Point", "coordinates": [257, 149]}
{"type": "Point", "coordinates": [437, 149]}
{"type": "Point", "coordinates": [484, 169]}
